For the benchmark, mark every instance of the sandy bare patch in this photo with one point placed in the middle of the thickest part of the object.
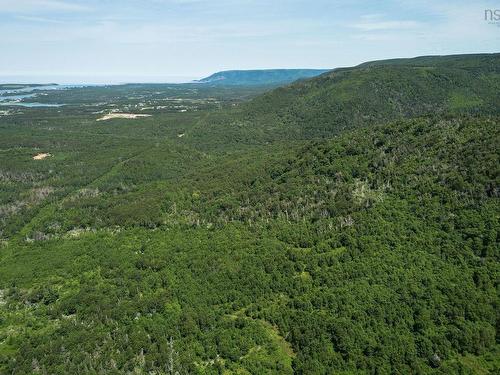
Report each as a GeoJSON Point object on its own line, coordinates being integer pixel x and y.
{"type": "Point", "coordinates": [41, 156]}
{"type": "Point", "coordinates": [77, 232]}
{"type": "Point", "coordinates": [111, 116]}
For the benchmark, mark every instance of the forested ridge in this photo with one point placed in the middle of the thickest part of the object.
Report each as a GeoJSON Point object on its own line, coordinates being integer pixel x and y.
{"type": "Point", "coordinates": [259, 77]}
{"type": "Point", "coordinates": [367, 94]}
{"type": "Point", "coordinates": [346, 224]}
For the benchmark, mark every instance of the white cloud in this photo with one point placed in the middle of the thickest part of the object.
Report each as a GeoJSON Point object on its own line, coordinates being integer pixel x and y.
{"type": "Point", "coordinates": [34, 6]}
{"type": "Point", "coordinates": [39, 19]}
{"type": "Point", "coordinates": [387, 25]}
{"type": "Point", "coordinates": [372, 16]}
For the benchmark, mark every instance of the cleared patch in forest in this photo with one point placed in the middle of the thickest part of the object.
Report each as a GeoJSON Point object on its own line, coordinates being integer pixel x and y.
{"type": "Point", "coordinates": [111, 116]}
{"type": "Point", "coordinates": [42, 156]}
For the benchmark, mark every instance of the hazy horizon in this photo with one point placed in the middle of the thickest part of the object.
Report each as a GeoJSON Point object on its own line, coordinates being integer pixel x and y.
{"type": "Point", "coordinates": [159, 40]}
{"type": "Point", "coordinates": [103, 79]}
{"type": "Point", "coordinates": [90, 80]}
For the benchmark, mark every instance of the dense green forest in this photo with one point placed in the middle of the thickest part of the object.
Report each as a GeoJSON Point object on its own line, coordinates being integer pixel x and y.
{"type": "Point", "coordinates": [347, 224]}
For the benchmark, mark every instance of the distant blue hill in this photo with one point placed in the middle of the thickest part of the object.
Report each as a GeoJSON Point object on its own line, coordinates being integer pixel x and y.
{"type": "Point", "coordinates": [260, 77]}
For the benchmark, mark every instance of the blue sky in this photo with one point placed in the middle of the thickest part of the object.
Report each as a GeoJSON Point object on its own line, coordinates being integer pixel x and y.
{"type": "Point", "coordinates": [155, 40]}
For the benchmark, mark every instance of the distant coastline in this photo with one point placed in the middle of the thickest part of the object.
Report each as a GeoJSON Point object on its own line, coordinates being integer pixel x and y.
{"type": "Point", "coordinates": [33, 80]}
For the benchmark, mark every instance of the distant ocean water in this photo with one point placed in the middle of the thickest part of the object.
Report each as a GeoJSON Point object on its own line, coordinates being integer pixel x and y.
{"type": "Point", "coordinates": [20, 97]}
{"type": "Point", "coordinates": [26, 96]}
{"type": "Point", "coordinates": [91, 80]}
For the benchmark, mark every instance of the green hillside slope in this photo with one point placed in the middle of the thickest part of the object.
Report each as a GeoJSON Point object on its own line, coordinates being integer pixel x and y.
{"type": "Point", "coordinates": [251, 245]}
{"type": "Point", "coordinates": [370, 93]}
